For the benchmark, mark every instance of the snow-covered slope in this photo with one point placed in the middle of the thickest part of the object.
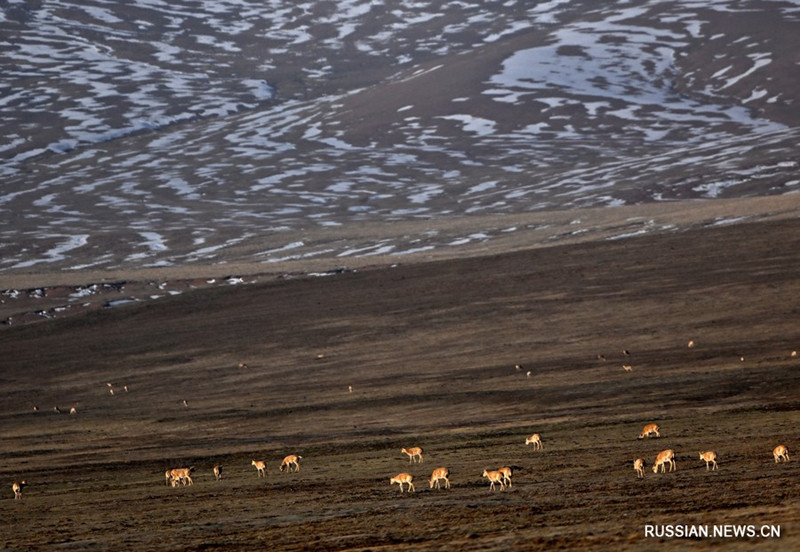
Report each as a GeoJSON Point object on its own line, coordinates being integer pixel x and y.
{"type": "Point", "coordinates": [152, 132]}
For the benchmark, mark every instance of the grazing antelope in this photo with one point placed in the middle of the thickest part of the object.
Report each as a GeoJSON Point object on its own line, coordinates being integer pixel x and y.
{"type": "Point", "coordinates": [627, 367]}
{"type": "Point", "coordinates": [494, 477]}
{"type": "Point", "coordinates": [506, 476]}
{"type": "Point", "coordinates": [650, 429]}
{"type": "Point", "coordinates": [218, 472]}
{"type": "Point", "coordinates": [518, 367]}
{"type": "Point", "coordinates": [289, 461]}
{"type": "Point", "coordinates": [261, 466]}
{"type": "Point", "coordinates": [780, 452]}
{"type": "Point", "coordinates": [73, 410]}
{"type": "Point", "coordinates": [709, 457]}
{"type": "Point", "coordinates": [17, 487]}
{"type": "Point", "coordinates": [57, 410]}
{"type": "Point", "coordinates": [638, 465]}
{"type": "Point", "coordinates": [413, 452]}
{"type": "Point", "coordinates": [179, 475]}
{"type": "Point", "coordinates": [401, 478]}
{"type": "Point", "coordinates": [691, 343]}
{"type": "Point", "coordinates": [665, 457]}
{"type": "Point", "coordinates": [242, 366]}
{"type": "Point", "coordinates": [439, 473]}
{"type": "Point", "coordinates": [536, 440]}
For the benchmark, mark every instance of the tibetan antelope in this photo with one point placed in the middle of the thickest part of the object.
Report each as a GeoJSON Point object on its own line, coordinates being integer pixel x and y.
{"type": "Point", "coordinates": [439, 473]}
{"type": "Point", "coordinates": [261, 466]}
{"type": "Point", "coordinates": [506, 476]}
{"type": "Point", "coordinates": [650, 429]}
{"type": "Point", "coordinates": [627, 367]}
{"type": "Point", "coordinates": [413, 452]}
{"type": "Point", "coordinates": [780, 452]}
{"type": "Point", "coordinates": [179, 475]}
{"type": "Point", "coordinates": [711, 458]}
{"type": "Point", "coordinates": [494, 477]}
{"type": "Point", "coordinates": [536, 440]}
{"type": "Point", "coordinates": [218, 472]}
{"type": "Point", "coordinates": [638, 465]}
{"type": "Point", "coordinates": [17, 487]}
{"type": "Point", "coordinates": [401, 478]}
{"type": "Point", "coordinates": [73, 410]}
{"type": "Point", "coordinates": [289, 461]}
{"type": "Point", "coordinates": [665, 457]}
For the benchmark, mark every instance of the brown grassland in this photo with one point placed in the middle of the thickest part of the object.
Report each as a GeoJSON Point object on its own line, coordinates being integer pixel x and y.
{"type": "Point", "coordinates": [430, 351]}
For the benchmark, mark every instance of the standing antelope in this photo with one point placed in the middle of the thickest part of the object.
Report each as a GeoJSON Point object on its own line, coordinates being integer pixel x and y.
{"type": "Point", "coordinates": [650, 429]}
{"type": "Point", "coordinates": [218, 472]}
{"type": "Point", "coordinates": [17, 487]}
{"type": "Point", "coordinates": [665, 457]}
{"type": "Point", "coordinates": [709, 457]}
{"type": "Point", "coordinates": [638, 465]}
{"type": "Point", "coordinates": [261, 466]}
{"type": "Point", "coordinates": [401, 478]}
{"type": "Point", "coordinates": [506, 476]}
{"type": "Point", "coordinates": [494, 477]}
{"type": "Point", "coordinates": [289, 461]}
{"type": "Point", "coordinates": [439, 473]}
{"type": "Point", "coordinates": [536, 440]}
{"type": "Point", "coordinates": [413, 452]}
{"type": "Point", "coordinates": [779, 453]}
{"type": "Point", "coordinates": [179, 475]}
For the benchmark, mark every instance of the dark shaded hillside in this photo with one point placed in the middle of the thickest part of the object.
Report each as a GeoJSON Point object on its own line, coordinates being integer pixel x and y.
{"type": "Point", "coordinates": [429, 350]}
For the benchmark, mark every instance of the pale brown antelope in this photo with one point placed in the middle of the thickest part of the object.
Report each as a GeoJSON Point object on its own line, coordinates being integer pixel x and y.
{"type": "Point", "coordinates": [780, 453]}
{"type": "Point", "coordinates": [627, 367]}
{"type": "Point", "coordinates": [289, 461]}
{"type": "Point", "coordinates": [401, 478]}
{"type": "Point", "coordinates": [535, 440]}
{"type": "Point", "coordinates": [439, 473]}
{"type": "Point", "coordinates": [261, 466]}
{"type": "Point", "coordinates": [711, 458]}
{"type": "Point", "coordinates": [179, 475]}
{"type": "Point", "coordinates": [17, 487]}
{"type": "Point", "coordinates": [184, 475]}
{"type": "Point", "coordinates": [665, 457]}
{"type": "Point", "coordinates": [494, 477]}
{"type": "Point", "coordinates": [691, 343]}
{"type": "Point", "coordinates": [650, 429]}
{"type": "Point", "coordinates": [413, 452]}
{"type": "Point", "coordinates": [218, 472]}
{"type": "Point", "coordinates": [638, 465]}
{"type": "Point", "coordinates": [73, 410]}
{"type": "Point", "coordinates": [506, 476]}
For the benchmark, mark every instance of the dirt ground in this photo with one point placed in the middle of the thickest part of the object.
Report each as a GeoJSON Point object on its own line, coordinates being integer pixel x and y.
{"type": "Point", "coordinates": [430, 351]}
